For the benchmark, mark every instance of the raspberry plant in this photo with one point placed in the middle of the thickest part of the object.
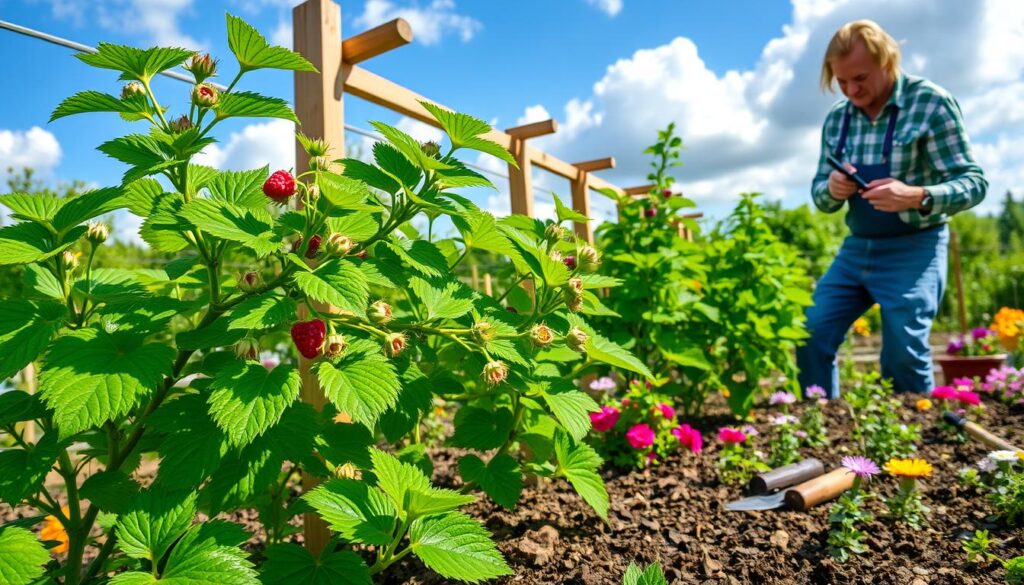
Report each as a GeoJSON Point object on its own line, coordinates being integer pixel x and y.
{"type": "Point", "coordinates": [143, 364]}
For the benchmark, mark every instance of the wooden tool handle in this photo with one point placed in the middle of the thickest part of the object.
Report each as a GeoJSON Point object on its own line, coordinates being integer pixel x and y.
{"type": "Point", "coordinates": [785, 476]}
{"type": "Point", "coordinates": [988, 438]}
{"type": "Point", "coordinates": [820, 489]}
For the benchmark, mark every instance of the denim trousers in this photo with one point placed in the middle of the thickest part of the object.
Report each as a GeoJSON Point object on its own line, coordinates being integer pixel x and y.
{"type": "Point", "coordinates": [906, 276]}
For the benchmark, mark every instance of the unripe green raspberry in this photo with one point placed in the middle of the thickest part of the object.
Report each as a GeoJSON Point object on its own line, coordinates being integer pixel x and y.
{"type": "Point", "coordinates": [541, 335]}
{"type": "Point", "coordinates": [394, 344]}
{"type": "Point", "coordinates": [495, 373]}
{"type": "Point", "coordinates": [335, 346]}
{"type": "Point", "coordinates": [483, 331]}
{"type": "Point", "coordinates": [181, 124]}
{"type": "Point", "coordinates": [249, 281]}
{"type": "Point", "coordinates": [70, 260]}
{"type": "Point", "coordinates": [132, 89]}
{"type": "Point", "coordinates": [431, 149]}
{"type": "Point", "coordinates": [576, 339]}
{"type": "Point", "coordinates": [380, 312]}
{"type": "Point", "coordinates": [97, 232]}
{"type": "Point", "coordinates": [204, 95]}
{"type": "Point", "coordinates": [247, 349]}
{"type": "Point", "coordinates": [587, 258]}
{"type": "Point", "coordinates": [339, 245]}
{"type": "Point", "coordinates": [202, 67]}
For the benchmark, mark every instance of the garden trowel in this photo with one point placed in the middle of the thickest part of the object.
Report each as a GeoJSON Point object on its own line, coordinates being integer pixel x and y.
{"type": "Point", "coordinates": [978, 433]}
{"type": "Point", "coordinates": [812, 486]}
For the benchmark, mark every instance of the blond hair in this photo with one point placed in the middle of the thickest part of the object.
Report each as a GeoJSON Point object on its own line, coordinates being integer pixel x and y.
{"type": "Point", "coordinates": [882, 47]}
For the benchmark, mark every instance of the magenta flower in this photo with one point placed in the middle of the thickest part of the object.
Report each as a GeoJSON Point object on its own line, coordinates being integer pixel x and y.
{"type": "Point", "coordinates": [604, 419]}
{"type": "Point", "coordinates": [955, 346]}
{"type": "Point", "coordinates": [640, 436]}
{"type": "Point", "coordinates": [652, 457]}
{"type": "Point", "coordinates": [944, 393]}
{"type": "Point", "coordinates": [965, 383]}
{"type": "Point", "coordinates": [781, 398]}
{"type": "Point", "coordinates": [666, 410]}
{"type": "Point", "coordinates": [814, 391]}
{"type": "Point", "coordinates": [968, 397]}
{"type": "Point", "coordinates": [689, 437]}
{"type": "Point", "coordinates": [860, 466]}
{"type": "Point", "coordinates": [981, 333]}
{"type": "Point", "coordinates": [731, 435]}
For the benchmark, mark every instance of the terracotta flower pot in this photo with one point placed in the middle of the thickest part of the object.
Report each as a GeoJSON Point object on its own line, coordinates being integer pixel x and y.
{"type": "Point", "coordinates": [955, 366]}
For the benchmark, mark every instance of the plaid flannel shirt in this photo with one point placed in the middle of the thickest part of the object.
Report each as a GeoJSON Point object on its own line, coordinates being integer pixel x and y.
{"type": "Point", "coordinates": [930, 150]}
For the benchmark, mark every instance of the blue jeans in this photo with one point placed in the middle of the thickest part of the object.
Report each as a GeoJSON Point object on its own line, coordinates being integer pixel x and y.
{"type": "Point", "coordinates": [906, 275]}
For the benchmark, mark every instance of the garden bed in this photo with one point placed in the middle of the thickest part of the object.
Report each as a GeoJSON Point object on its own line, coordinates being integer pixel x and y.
{"type": "Point", "coordinates": [674, 514]}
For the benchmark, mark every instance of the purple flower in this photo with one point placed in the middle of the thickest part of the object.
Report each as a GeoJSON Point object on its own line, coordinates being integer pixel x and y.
{"type": "Point", "coordinates": [603, 383]}
{"type": "Point", "coordinates": [814, 391]}
{"type": "Point", "coordinates": [981, 333]}
{"type": "Point", "coordinates": [955, 346]}
{"type": "Point", "coordinates": [749, 430]}
{"type": "Point", "coordinates": [800, 434]}
{"type": "Point", "coordinates": [781, 398]}
{"type": "Point", "coordinates": [783, 419]}
{"type": "Point", "coordinates": [860, 466]}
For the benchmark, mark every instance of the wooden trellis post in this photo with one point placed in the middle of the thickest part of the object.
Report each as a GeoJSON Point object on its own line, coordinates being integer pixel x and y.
{"type": "Point", "coordinates": [581, 194]}
{"type": "Point", "coordinates": [520, 180]}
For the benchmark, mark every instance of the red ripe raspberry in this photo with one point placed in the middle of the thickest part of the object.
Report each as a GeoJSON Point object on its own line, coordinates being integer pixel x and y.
{"type": "Point", "coordinates": [570, 261]}
{"type": "Point", "coordinates": [309, 337]}
{"type": "Point", "coordinates": [314, 246]}
{"type": "Point", "coordinates": [666, 193]}
{"type": "Point", "coordinates": [650, 212]}
{"type": "Point", "coordinates": [280, 186]}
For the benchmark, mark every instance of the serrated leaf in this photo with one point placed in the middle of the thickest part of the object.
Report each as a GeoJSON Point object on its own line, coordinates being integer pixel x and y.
{"type": "Point", "coordinates": [253, 228]}
{"type": "Point", "coordinates": [142, 196]}
{"type": "Point", "coordinates": [242, 188]}
{"type": "Point", "coordinates": [111, 491]}
{"type": "Point", "coordinates": [342, 443]}
{"type": "Point", "coordinates": [339, 283]}
{"type": "Point", "coordinates": [464, 131]}
{"type": "Point", "coordinates": [579, 464]}
{"type": "Point", "coordinates": [451, 300]}
{"type": "Point", "coordinates": [457, 547]}
{"type": "Point", "coordinates": [91, 376]}
{"type": "Point", "coordinates": [396, 165]}
{"type": "Point", "coordinates": [22, 472]}
{"type": "Point", "coordinates": [363, 383]}
{"type": "Point", "coordinates": [215, 334]}
{"type": "Point", "coordinates": [481, 429]}
{"type": "Point", "coordinates": [164, 226]}
{"type": "Point", "coordinates": [25, 330]}
{"type": "Point", "coordinates": [246, 104]}
{"type": "Point", "coordinates": [292, 564]}
{"type": "Point", "coordinates": [32, 206]}
{"type": "Point", "coordinates": [17, 406]}
{"type": "Point", "coordinates": [22, 556]}
{"type": "Point", "coordinates": [253, 52]}
{"type": "Point", "coordinates": [143, 153]}
{"type": "Point", "coordinates": [94, 101]}
{"type": "Point", "coordinates": [133, 63]}
{"type": "Point", "coordinates": [193, 446]}
{"type": "Point", "coordinates": [370, 174]}
{"type": "Point", "coordinates": [480, 232]}
{"type": "Point", "coordinates": [154, 520]}
{"type": "Point", "coordinates": [25, 243]}
{"type": "Point", "coordinates": [592, 281]}
{"type": "Point", "coordinates": [414, 400]}
{"type": "Point", "coordinates": [359, 512]}
{"type": "Point", "coordinates": [420, 255]}
{"type": "Point", "coordinates": [207, 554]}
{"type": "Point", "coordinates": [571, 407]}
{"type": "Point", "coordinates": [267, 310]}
{"type": "Point", "coordinates": [343, 192]}
{"type": "Point", "coordinates": [500, 478]}
{"type": "Point", "coordinates": [602, 349]}
{"type": "Point", "coordinates": [565, 213]}
{"type": "Point", "coordinates": [246, 399]}
{"type": "Point", "coordinates": [358, 226]}
{"type": "Point", "coordinates": [397, 478]}
{"type": "Point", "coordinates": [462, 177]}
{"type": "Point", "coordinates": [409, 147]}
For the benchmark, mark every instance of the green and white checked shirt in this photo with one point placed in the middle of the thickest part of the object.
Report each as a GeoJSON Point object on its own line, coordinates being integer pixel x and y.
{"type": "Point", "coordinates": [930, 150]}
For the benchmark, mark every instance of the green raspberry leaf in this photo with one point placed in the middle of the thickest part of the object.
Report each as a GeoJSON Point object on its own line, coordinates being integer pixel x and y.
{"type": "Point", "coordinates": [22, 472]}
{"type": "Point", "coordinates": [359, 512]}
{"type": "Point", "coordinates": [26, 243]}
{"type": "Point", "coordinates": [91, 376]}
{"type": "Point", "coordinates": [154, 520]}
{"type": "Point", "coordinates": [32, 206]}
{"type": "Point", "coordinates": [22, 556]}
{"type": "Point", "coordinates": [292, 564]}
{"type": "Point", "coordinates": [464, 131]}
{"type": "Point", "coordinates": [579, 464]}
{"type": "Point", "coordinates": [480, 232]}
{"type": "Point", "coordinates": [111, 491]}
{"type": "Point", "coordinates": [17, 406]}
{"type": "Point", "coordinates": [242, 188]}
{"type": "Point", "coordinates": [85, 102]}
{"type": "Point", "coordinates": [457, 547]}
{"type": "Point", "coordinates": [565, 213]}
{"type": "Point", "coordinates": [26, 328]}
{"type": "Point", "coordinates": [267, 310]}
{"type": "Point", "coordinates": [409, 147]}
{"type": "Point", "coordinates": [420, 255]}
{"type": "Point", "coordinates": [253, 228]}
{"type": "Point", "coordinates": [254, 52]}
{"type": "Point", "coordinates": [602, 349]}
{"type": "Point", "coordinates": [363, 383]}
{"type": "Point", "coordinates": [481, 429]}
{"type": "Point", "coordinates": [344, 193]}
{"type": "Point", "coordinates": [246, 104]}
{"type": "Point", "coordinates": [247, 399]}
{"type": "Point", "coordinates": [571, 407]}
{"type": "Point", "coordinates": [337, 282]}
{"type": "Point", "coordinates": [501, 478]}
{"type": "Point", "coordinates": [133, 63]}
{"type": "Point", "coordinates": [397, 478]}
{"type": "Point", "coordinates": [448, 299]}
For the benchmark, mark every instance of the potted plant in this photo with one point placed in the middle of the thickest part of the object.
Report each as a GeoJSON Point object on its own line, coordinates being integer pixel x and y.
{"type": "Point", "coordinates": [971, 355]}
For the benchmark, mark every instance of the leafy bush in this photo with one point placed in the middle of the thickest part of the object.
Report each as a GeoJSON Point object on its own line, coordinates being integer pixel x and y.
{"type": "Point", "coordinates": [876, 418]}
{"type": "Point", "coordinates": [170, 363]}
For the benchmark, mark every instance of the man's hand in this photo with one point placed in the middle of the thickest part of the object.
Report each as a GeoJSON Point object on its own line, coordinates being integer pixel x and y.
{"type": "Point", "coordinates": [893, 195]}
{"type": "Point", "coordinates": [840, 186]}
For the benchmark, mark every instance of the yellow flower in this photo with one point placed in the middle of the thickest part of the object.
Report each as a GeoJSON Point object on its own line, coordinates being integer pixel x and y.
{"type": "Point", "coordinates": [725, 392]}
{"type": "Point", "coordinates": [909, 468]}
{"type": "Point", "coordinates": [1009, 325]}
{"type": "Point", "coordinates": [861, 327]}
{"type": "Point", "coordinates": [924, 404]}
{"type": "Point", "coordinates": [54, 530]}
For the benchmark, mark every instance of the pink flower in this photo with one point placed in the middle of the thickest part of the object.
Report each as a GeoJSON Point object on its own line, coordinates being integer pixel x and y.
{"type": "Point", "coordinates": [963, 383]}
{"type": "Point", "coordinates": [750, 431]}
{"type": "Point", "coordinates": [640, 436]}
{"type": "Point", "coordinates": [731, 435]}
{"type": "Point", "coordinates": [652, 457]}
{"type": "Point", "coordinates": [781, 398]}
{"type": "Point", "coordinates": [814, 391]}
{"type": "Point", "coordinates": [689, 437]}
{"type": "Point", "coordinates": [666, 410]}
{"type": "Point", "coordinates": [968, 397]}
{"type": "Point", "coordinates": [944, 393]}
{"type": "Point", "coordinates": [604, 419]}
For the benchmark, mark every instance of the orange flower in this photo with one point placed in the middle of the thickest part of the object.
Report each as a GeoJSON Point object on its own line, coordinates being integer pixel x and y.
{"type": "Point", "coordinates": [861, 327]}
{"type": "Point", "coordinates": [54, 530]}
{"type": "Point", "coordinates": [924, 404]}
{"type": "Point", "coordinates": [913, 468]}
{"type": "Point", "coordinates": [1009, 325]}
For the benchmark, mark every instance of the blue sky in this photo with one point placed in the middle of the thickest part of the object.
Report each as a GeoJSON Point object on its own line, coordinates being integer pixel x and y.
{"type": "Point", "coordinates": [738, 77]}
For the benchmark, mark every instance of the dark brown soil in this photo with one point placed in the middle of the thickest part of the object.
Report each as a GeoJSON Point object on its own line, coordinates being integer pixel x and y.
{"type": "Point", "coordinates": [674, 514]}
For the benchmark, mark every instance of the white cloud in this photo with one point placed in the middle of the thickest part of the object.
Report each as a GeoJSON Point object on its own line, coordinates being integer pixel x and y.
{"type": "Point", "coordinates": [536, 113]}
{"type": "Point", "coordinates": [269, 143]}
{"type": "Point", "coordinates": [758, 129]}
{"type": "Point", "coordinates": [429, 23]}
{"type": "Point", "coordinates": [609, 7]}
{"type": "Point", "coordinates": [34, 148]}
{"type": "Point", "coordinates": [282, 34]}
{"type": "Point", "coordinates": [157, 21]}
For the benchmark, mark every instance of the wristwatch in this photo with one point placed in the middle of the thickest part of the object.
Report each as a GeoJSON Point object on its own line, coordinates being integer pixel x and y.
{"type": "Point", "coordinates": [927, 202]}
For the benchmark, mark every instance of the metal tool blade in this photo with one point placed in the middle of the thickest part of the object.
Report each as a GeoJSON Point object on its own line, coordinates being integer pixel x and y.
{"type": "Point", "coordinates": [766, 502]}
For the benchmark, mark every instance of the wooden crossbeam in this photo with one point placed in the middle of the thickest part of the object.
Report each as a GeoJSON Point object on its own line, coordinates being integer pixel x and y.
{"type": "Point", "coordinates": [598, 164]}
{"type": "Point", "coordinates": [638, 190]}
{"type": "Point", "coordinates": [533, 130]}
{"type": "Point", "coordinates": [377, 40]}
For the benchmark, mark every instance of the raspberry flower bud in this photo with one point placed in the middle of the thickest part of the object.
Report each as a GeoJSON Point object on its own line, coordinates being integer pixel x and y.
{"type": "Point", "coordinates": [320, 163]}
{"type": "Point", "coordinates": [495, 372]}
{"type": "Point", "coordinates": [70, 259]}
{"type": "Point", "coordinates": [570, 262]}
{"type": "Point", "coordinates": [335, 346]}
{"type": "Point", "coordinates": [202, 67]}
{"type": "Point", "coordinates": [204, 95]}
{"type": "Point", "coordinates": [97, 232]}
{"type": "Point", "coordinates": [556, 255]}
{"type": "Point", "coordinates": [431, 149]}
{"type": "Point", "coordinates": [313, 146]}
{"type": "Point", "coordinates": [574, 304]}
{"type": "Point", "coordinates": [576, 339]}
{"type": "Point", "coordinates": [279, 186]}
{"type": "Point", "coordinates": [339, 245]}
{"type": "Point", "coordinates": [483, 331]}
{"type": "Point", "coordinates": [394, 344]}
{"type": "Point", "coordinates": [181, 124]}
{"type": "Point", "coordinates": [314, 192]}
{"type": "Point", "coordinates": [249, 281]}
{"type": "Point", "coordinates": [132, 89]}
{"type": "Point", "coordinates": [541, 335]}
{"type": "Point", "coordinates": [588, 258]}
{"type": "Point", "coordinates": [380, 312]}
{"type": "Point", "coordinates": [247, 349]}
{"type": "Point", "coordinates": [554, 232]}
{"type": "Point", "coordinates": [576, 285]}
